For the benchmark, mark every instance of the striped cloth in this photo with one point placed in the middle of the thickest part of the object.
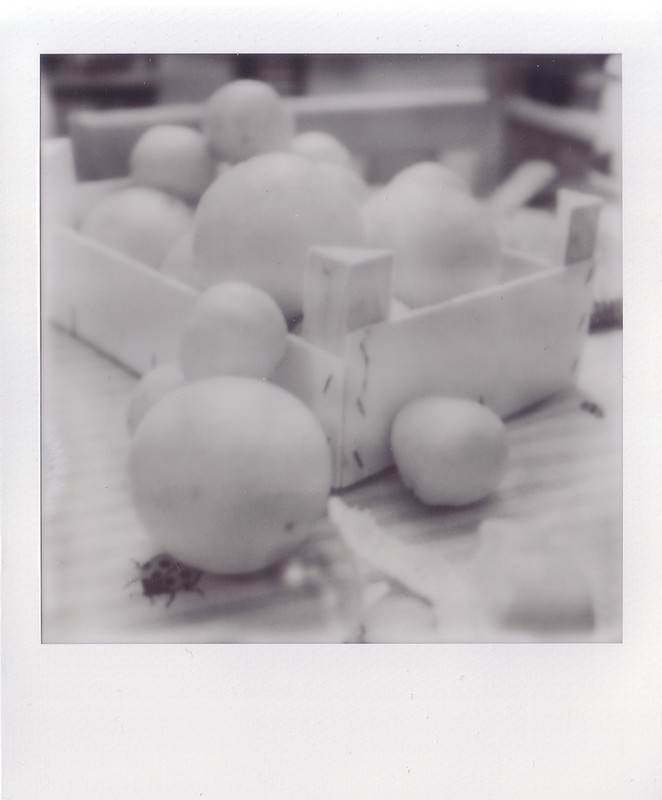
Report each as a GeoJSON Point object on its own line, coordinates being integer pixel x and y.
{"type": "Point", "coordinates": [563, 482]}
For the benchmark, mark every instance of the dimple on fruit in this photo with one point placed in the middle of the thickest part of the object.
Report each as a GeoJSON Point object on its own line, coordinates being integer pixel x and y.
{"type": "Point", "coordinates": [229, 474]}
{"type": "Point", "coordinates": [433, 174]}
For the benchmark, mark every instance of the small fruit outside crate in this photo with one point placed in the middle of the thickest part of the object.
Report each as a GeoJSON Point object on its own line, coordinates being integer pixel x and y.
{"type": "Point", "coordinates": [355, 364]}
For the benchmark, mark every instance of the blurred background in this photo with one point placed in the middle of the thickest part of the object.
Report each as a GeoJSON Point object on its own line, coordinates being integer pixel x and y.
{"type": "Point", "coordinates": [557, 107]}
{"type": "Point", "coordinates": [484, 116]}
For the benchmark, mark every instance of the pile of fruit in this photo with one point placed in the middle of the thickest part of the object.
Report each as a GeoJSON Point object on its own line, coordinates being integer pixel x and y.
{"type": "Point", "coordinates": [245, 197]}
{"type": "Point", "coordinates": [229, 472]}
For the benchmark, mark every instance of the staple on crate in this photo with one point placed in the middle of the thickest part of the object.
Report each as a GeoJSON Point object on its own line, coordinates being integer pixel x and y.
{"type": "Point", "coordinates": [345, 288]}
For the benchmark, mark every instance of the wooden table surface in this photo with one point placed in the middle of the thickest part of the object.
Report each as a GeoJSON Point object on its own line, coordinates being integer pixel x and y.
{"type": "Point", "coordinates": [563, 485]}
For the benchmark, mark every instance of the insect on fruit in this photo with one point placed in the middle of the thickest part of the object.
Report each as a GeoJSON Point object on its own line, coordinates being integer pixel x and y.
{"type": "Point", "coordinates": [162, 574]}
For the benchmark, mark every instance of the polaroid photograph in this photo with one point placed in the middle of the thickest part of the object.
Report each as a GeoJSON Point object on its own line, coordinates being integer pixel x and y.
{"type": "Point", "coordinates": [322, 360]}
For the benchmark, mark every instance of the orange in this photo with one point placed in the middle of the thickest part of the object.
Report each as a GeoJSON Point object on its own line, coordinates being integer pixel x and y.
{"type": "Point", "coordinates": [229, 474]}
{"type": "Point", "coordinates": [449, 451]}
{"type": "Point", "coordinates": [173, 158]}
{"type": "Point", "coordinates": [232, 329]}
{"type": "Point", "coordinates": [444, 241]}
{"type": "Point", "coordinates": [244, 118]}
{"type": "Point", "coordinates": [257, 222]}
{"type": "Point", "coordinates": [321, 146]}
{"type": "Point", "coordinates": [138, 221]}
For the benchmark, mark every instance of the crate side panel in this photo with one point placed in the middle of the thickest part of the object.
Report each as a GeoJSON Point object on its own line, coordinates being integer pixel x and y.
{"type": "Point", "coordinates": [508, 349]}
{"type": "Point", "coordinates": [543, 331]}
{"type": "Point", "coordinates": [317, 378]}
{"type": "Point", "coordinates": [124, 309]}
{"type": "Point", "coordinates": [454, 350]}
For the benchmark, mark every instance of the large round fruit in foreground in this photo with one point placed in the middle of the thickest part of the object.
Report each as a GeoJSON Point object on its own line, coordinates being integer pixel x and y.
{"type": "Point", "coordinates": [257, 222]}
{"type": "Point", "coordinates": [246, 117]}
{"type": "Point", "coordinates": [140, 222]}
{"type": "Point", "coordinates": [232, 329]}
{"type": "Point", "coordinates": [443, 240]}
{"type": "Point", "coordinates": [229, 474]}
{"type": "Point", "coordinates": [449, 451]}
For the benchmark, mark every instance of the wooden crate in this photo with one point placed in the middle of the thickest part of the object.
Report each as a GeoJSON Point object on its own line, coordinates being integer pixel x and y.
{"type": "Point", "coordinates": [508, 346]}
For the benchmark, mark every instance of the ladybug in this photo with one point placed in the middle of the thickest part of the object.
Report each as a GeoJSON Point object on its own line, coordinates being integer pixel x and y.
{"type": "Point", "coordinates": [162, 574]}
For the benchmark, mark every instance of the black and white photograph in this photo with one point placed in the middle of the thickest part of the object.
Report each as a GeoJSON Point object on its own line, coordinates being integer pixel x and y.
{"type": "Point", "coordinates": [329, 402]}
{"type": "Point", "coordinates": [331, 348]}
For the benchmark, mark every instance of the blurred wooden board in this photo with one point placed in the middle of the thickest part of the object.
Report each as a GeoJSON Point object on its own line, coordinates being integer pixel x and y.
{"type": "Point", "coordinates": [384, 130]}
{"type": "Point", "coordinates": [564, 477]}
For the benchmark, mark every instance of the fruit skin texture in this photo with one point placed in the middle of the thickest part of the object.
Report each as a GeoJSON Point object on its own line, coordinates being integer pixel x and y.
{"type": "Point", "coordinates": [150, 388]}
{"type": "Point", "coordinates": [138, 221]}
{"type": "Point", "coordinates": [232, 329]}
{"type": "Point", "coordinates": [444, 241]}
{"type": "Point", "coordinates": [228, 474]}
{"type": "Point", "coordinates": [258, 220]}
{"type": "Point", "coordinates": [175, 159]}
{"type": "Point", "coordinates": [449, 451]}
{"type": "Point", "coordinates": [244, 118]}
{"type": "Point", "coordinates": [321, 146]}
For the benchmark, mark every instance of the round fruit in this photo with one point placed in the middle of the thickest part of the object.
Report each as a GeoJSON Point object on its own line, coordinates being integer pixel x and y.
{"type": "Point", "coordinates": [174, 158]}
{"type": "Point", "coordinates": [138, 221]}
{"type": "Point", "coordinates": [433, 174]}
{"type": "Point", "coordinates": [449, 451]}
{"type": "Point", "coordinates": [444, 241]}
{"type": "Point", "coordinates": [229, 474]}
{"type": "Point", "coordinates": [257, 222]}
{"type": "Point", "coordinates": [152, 386]}
{"type": "Point", "coordinates": [322, 147]}
{"type": "Point", "coordinates": [232, 329]}
{"type": "Point", "coordinates": [244, 118]}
